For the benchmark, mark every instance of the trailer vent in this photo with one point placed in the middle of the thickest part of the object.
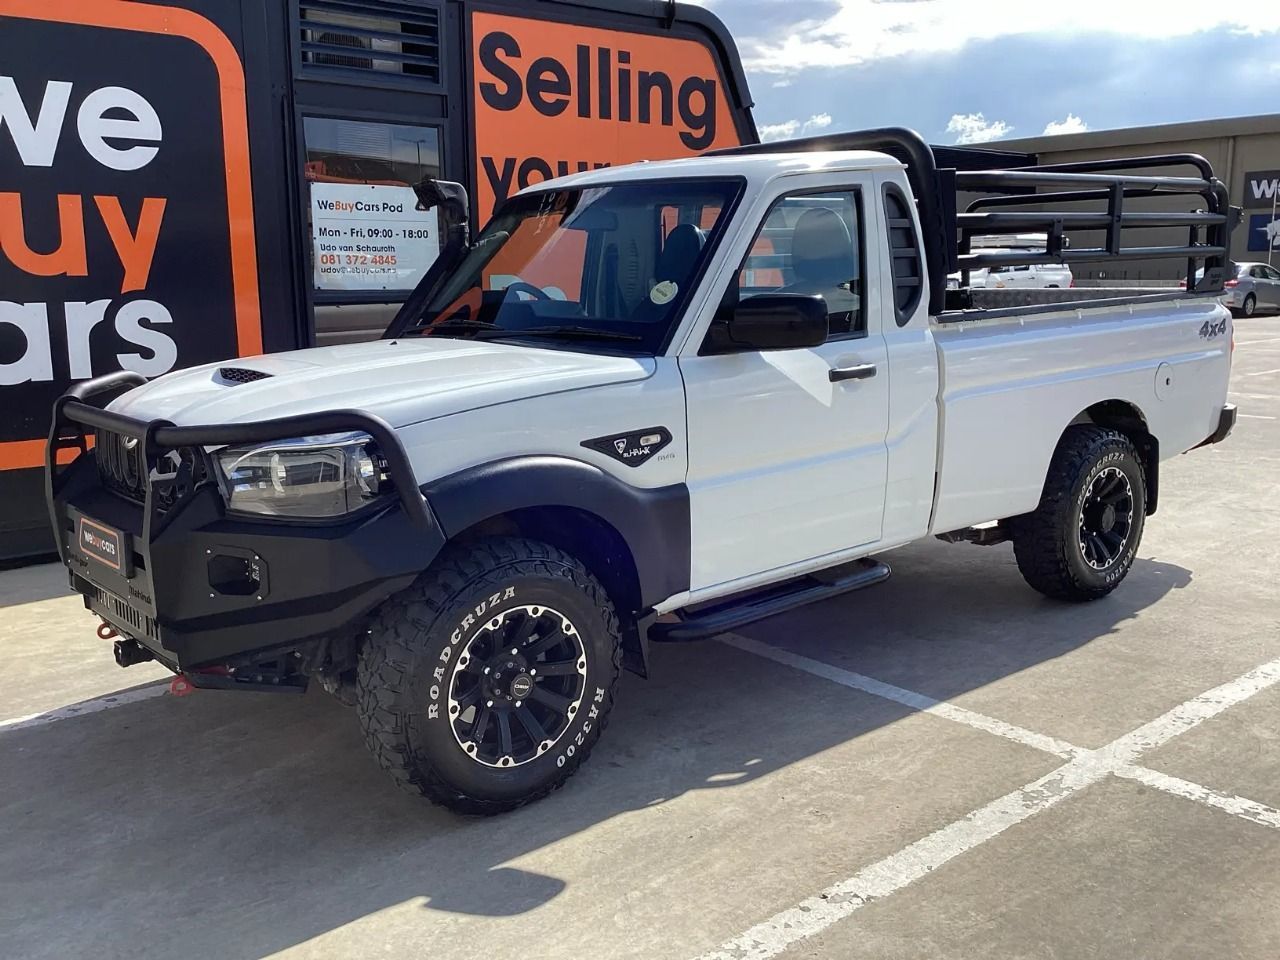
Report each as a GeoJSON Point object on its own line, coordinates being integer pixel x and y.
{"type": "Point", "coordinates": [393, 38]}
{"type": "Point", "coordinates": [241, 374]}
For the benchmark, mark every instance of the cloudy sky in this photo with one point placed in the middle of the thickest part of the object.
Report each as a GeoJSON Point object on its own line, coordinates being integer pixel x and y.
{"type": "Point", "coordinates": [970, 71]}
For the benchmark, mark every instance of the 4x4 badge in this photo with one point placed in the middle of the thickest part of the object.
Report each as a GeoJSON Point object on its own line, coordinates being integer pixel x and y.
{"type": "Point", "coordinates": [635, 448]}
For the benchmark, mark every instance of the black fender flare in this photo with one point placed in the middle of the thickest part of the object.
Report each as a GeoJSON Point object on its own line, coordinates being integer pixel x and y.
{"type": "Point", "coordinates": [653, 521]}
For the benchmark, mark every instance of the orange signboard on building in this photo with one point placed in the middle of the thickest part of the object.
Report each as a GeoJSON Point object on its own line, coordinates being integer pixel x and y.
{"type": "Point", "coordinates": [554, 98]}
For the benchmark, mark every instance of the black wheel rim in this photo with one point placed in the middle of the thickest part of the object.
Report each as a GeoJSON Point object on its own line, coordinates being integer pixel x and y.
{"type": "Point", "coordinates": [1106, 518]}
{"type": "Point", "coordinates": [517, 685]}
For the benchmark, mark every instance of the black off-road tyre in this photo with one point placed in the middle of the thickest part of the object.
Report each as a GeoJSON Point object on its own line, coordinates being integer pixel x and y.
{"type": "Point", "coordinates": [426, 656]}
{"type": "Point", "coordinates": [1071, 547]}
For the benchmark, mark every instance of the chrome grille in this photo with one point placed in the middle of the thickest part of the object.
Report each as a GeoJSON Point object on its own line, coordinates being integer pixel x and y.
{"type": "Point", "coordinates": [122, 464]}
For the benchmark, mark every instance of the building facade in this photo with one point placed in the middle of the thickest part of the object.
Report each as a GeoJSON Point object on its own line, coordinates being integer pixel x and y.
{"type": "Point", "coordinates": [1244, 152]}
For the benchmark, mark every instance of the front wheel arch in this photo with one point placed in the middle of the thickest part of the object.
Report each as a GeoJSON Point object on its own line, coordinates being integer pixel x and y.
{"type": "Point", "coordinates": [601, 548]}
{"type": "Point", "coordinates": [636, 540]}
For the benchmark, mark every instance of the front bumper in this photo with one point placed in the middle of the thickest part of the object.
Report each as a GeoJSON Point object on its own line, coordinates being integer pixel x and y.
{"type": "Point", "coordinates": [199, 587]}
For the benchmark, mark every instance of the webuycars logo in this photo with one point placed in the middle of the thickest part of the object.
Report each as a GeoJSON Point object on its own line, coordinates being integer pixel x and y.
{"type": "Point", "coordinates": [555, 98]}
{"type": "Point", "coordinates": [99, 545]}
{"type": "Point", "coordinates": [126, 226]}
{"type": "Point", "coordinates": [349, 206]}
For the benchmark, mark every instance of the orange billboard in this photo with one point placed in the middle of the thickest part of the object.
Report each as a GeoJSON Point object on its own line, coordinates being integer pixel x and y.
{"type": "Point", "coordinates": [552, 98]}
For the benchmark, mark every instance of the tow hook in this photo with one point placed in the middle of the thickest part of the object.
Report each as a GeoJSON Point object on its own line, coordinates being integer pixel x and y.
{"type": "Point", "coordinates": [185, 684]}
{"type": "Point", "coordinates": [180, 686]}
{"type": "Point", "coordinates": [129, 652]}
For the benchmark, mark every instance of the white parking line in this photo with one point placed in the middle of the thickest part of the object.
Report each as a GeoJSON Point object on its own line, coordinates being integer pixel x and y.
{"type": "Point", "coordinates": [909, 698]}
{"type": "Point", "coordinates": [1254, 416]}
{"type": "Point", "coordinates": [1187, 716]}
{"type": "Point", "coordinates": [811, 916]}
{"type": "Point", "coordinates": [1249, 343]}
{"type": "Point", "coordinates": [97, 705]}
{"type": "Point", "coordinates": [774, 935]}
{"type": "Point", "coordinates": [1237, 806]}
{"type": "Point", "coordinates": [1261, 373]}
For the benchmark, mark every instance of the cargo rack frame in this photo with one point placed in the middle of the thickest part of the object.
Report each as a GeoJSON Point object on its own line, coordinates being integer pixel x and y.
{"type": "Point", "coordinates": [948, 232]}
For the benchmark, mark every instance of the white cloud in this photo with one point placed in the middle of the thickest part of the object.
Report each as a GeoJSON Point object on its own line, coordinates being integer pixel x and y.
{"type": "Point", "coordinates": [791, 128]}
{"type": "Point", "coordinates": [1072, 124]}
{"type": "Point", "coordinates": [975, 128]}
{"type": "Point", "coordinates": [864, 30]}
{"type": "Point", "coordinates": [819, 121]}
{"type": "Point", "coordinates": [778, 131]}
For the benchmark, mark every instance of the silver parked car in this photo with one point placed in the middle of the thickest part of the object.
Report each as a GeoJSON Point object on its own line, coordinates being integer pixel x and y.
{"type": "Point", "coordinates": [1256, 286]}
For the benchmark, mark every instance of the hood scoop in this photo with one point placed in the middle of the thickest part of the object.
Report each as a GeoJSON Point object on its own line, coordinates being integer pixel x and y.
{"type": "Point", "coordinates": [236, 375]}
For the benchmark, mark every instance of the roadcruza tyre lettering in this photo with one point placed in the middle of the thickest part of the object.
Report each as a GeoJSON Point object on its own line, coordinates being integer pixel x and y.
{"type": "Point", "coordinates": [417, 687]}
{"type": "Point", "coordinates": [1081, 540]}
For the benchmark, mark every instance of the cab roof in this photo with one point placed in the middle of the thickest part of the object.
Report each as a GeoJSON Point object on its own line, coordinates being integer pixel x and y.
{"type": "Point", "coordinates": [754, 167]}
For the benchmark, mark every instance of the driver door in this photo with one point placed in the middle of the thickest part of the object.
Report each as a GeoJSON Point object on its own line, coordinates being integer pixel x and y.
{"type": "Point", "coordinates": [787, 448]}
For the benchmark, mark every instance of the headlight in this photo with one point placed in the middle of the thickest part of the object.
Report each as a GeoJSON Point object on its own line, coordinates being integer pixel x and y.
{"type": "Point", "coordinates": [310, 477]}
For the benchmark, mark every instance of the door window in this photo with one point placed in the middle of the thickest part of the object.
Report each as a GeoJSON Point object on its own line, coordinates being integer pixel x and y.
{"type": "Point", "coordinates": [810, 244]}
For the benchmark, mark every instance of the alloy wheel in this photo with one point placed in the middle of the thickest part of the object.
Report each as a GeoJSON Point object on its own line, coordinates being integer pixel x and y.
{"type": "Point", "coordinates": [517, 686]}
{"type": "Point", "coordinates": [1106, 518]}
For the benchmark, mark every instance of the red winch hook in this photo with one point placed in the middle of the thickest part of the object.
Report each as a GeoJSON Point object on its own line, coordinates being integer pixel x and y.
{"type": "Point", "coordinates": [180, 686]}
{"type": "Point", "coordinates": [106, 631]}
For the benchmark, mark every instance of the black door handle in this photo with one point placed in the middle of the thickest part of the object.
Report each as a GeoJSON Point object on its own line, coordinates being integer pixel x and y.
{"type": "Point", "coordinates": [863, 371]}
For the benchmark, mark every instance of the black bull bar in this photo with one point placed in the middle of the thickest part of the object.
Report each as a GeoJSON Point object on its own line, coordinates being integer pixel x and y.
{"type": "Point", "coordinates": [324, 576]}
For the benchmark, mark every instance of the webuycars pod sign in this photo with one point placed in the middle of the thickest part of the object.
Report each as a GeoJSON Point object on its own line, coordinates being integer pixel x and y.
{"type": "Point", "coordinates": [126, 220]}
{"type": "Point", "coordinates": [554, 98]}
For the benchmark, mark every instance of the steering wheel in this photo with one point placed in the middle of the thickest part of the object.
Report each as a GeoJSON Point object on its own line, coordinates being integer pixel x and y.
{"type": "Point", "coordinates": [519, 286]}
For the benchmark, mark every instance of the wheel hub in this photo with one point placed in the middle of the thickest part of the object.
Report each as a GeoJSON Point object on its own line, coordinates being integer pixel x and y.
{"type": "Point", "coordinates": [507, 679]}
{"type": "Point", "coordinates": [516, 686]}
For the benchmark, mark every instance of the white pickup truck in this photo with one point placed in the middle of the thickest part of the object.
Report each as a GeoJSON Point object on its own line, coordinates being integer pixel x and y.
{"type": "Point", "coordinates": [653, 402]}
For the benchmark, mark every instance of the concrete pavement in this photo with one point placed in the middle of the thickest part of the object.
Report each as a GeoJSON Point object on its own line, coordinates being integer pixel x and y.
{"type": "Point", "coordinates": [747, 778]}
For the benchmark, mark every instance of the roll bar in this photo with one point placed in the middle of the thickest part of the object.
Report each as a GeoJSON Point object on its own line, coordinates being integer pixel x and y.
{"type": "Point", "coordinates": [948, 234]}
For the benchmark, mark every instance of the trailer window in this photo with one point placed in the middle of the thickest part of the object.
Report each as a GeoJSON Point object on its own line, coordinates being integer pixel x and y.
{"type": "Point", "coordinates": [615, 262]}
{"type": "Point", "coordinates": [810, 244]}
{"type": "Point", "coordinates": [366, 231]}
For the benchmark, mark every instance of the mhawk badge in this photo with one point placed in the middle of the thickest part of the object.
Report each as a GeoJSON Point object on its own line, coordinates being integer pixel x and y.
{"type": "Point", "coordinates": [635, 448]}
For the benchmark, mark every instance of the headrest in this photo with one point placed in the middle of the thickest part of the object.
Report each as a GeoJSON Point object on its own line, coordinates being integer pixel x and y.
{"type": "Point", "coordinates": [680, 252]}
{"type": "Point", "coordinates": [821, 247]}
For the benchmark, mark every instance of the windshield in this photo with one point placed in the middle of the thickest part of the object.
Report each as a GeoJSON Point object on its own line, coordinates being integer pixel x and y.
{"type": "Point", "coordinates": [609, 266]}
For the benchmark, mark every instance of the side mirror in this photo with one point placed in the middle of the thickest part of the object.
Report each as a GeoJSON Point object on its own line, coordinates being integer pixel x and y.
{"type": "Point", "coordinates": [776, 321]}
{"type": "Point", "coordinates": [451, 199]}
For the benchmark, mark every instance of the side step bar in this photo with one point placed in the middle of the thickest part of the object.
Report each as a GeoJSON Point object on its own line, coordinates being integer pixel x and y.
{"type": "Point", "coordinates": [720, 616]}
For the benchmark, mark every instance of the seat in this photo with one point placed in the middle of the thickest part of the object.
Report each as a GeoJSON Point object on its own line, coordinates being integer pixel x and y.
{"type": "Point", "coordinates": [823, 262]}
{"type": "Point", "coordinates": [675, 265]}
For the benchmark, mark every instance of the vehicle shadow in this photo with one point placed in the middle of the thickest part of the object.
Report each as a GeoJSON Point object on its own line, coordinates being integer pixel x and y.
{"type": "Point", "coordinates": [241, 825]}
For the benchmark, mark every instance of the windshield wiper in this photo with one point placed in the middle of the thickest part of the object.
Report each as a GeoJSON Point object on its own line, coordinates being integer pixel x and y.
{"type": "Point", "coordinates": [566, 331]}
{"type": "Point", "coordinates": [456, 325]}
